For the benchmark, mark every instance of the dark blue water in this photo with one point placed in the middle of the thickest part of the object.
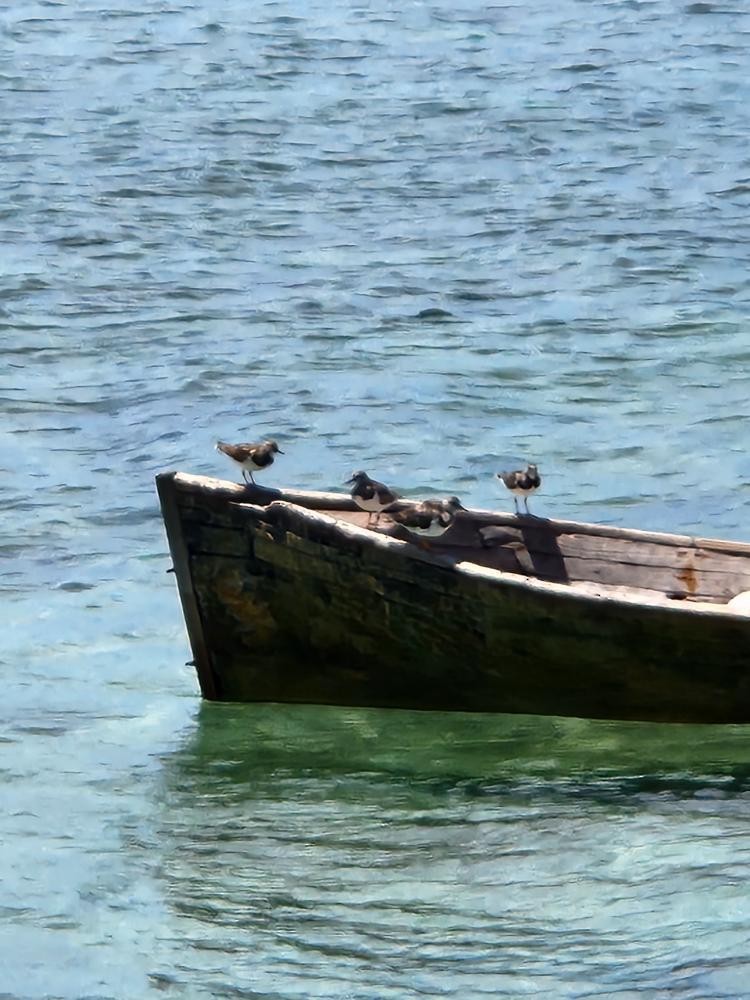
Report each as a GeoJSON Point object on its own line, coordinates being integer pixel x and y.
{"type": "Point", "coordinates": [425, 240]}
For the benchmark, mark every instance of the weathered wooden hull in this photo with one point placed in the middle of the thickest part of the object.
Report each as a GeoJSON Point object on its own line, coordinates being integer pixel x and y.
{"type": "Point", "coordinates": [284, 604]}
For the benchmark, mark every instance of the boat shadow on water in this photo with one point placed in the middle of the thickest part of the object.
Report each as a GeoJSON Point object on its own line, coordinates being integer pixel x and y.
{"type": "Point", "coordinates": [241, 750]}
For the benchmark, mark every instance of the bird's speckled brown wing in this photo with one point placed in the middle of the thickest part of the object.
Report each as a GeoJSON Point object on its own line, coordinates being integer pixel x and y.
{"type": "Point", "coordinates": [239, 452]}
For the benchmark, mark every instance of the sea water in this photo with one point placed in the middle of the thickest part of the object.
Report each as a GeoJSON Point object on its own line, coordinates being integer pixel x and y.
{"type": "Point", "coordinates": [428, 240]}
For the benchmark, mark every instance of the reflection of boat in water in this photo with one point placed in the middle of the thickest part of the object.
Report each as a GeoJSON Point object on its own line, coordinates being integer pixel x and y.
{"type": "Point", "coordinates": [248, 748]}
{"type": "Point", "coordinates": [289, 597]}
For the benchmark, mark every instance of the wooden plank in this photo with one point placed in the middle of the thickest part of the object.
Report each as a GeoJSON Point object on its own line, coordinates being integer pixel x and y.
{"type": "Point", "coordinates": [670, 581]}
{"type": "Point", "coordinates": [217, 538]}
{"type": "Point", "coordinates": [656, 555]}
{"type": "Point", "coordinates": [222, 491]}
{"type": "Point", "coordinates": [620, 550]}
{"type": "Point", "coordinates": [209, 683]}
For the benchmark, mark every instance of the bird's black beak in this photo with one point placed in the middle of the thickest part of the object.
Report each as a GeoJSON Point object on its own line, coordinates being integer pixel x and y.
{"type": "Point", "coordinates": [279, 451]}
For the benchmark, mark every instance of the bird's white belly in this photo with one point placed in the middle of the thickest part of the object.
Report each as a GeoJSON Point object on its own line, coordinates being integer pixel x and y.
{"type": "Point", "coordinates": [523, 493]}
{"type": "Point", "coordinates": [435, 530]}
{"type": "Point", "coordinates": [372, 506]}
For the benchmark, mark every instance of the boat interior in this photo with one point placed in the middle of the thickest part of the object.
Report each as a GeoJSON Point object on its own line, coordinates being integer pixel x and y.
{"type": "Point", "coordinates": [590, 558]}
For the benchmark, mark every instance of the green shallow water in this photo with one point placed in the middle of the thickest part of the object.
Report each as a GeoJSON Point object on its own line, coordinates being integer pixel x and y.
{"type": "Point", "coordinates": [424, 854]}
{"type": "Point", "coordinates": [463, 746]}
{"type": "Point", "coordinates": [429, 240]}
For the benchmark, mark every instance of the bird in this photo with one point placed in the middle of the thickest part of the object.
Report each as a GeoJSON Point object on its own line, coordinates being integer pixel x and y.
{"type": "Point", "coordinates": [429, 518]}
{"type": "Point", "coordinates": [370, 495]}
{"type": "Point", "coordinates": [250, 457]}
{"type": "Point", "coordinates": [522, 483]}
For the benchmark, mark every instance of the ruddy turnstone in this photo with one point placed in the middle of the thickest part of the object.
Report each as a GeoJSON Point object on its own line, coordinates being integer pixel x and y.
{"type": "Point", "coordinates": [430, 518]}
{"type": "Point", "coordinates": [370, 495]}
{"type": "Point", "coordinates": [522, 483]}
{"type": "Point", "coordinates": [250, 457]}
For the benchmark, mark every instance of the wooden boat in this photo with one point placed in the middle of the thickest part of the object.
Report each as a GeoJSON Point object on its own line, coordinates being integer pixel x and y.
{"type": "Point", "coordinates": [288, 596]}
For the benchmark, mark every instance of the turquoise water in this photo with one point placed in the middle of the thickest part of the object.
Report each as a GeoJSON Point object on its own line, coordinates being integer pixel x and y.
{"type": "Point", "coordinates": [425, 240]}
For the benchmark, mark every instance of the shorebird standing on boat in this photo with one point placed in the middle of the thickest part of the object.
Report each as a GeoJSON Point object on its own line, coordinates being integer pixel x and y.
{"type": "Point", "coordinates": [522, 483]}
{"type": "Point", "coordinates": [429, 518]}
{"type": "Point", "coordinates": [370, 495]}
{"type": "Point", "coordinates": [250, 457]}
